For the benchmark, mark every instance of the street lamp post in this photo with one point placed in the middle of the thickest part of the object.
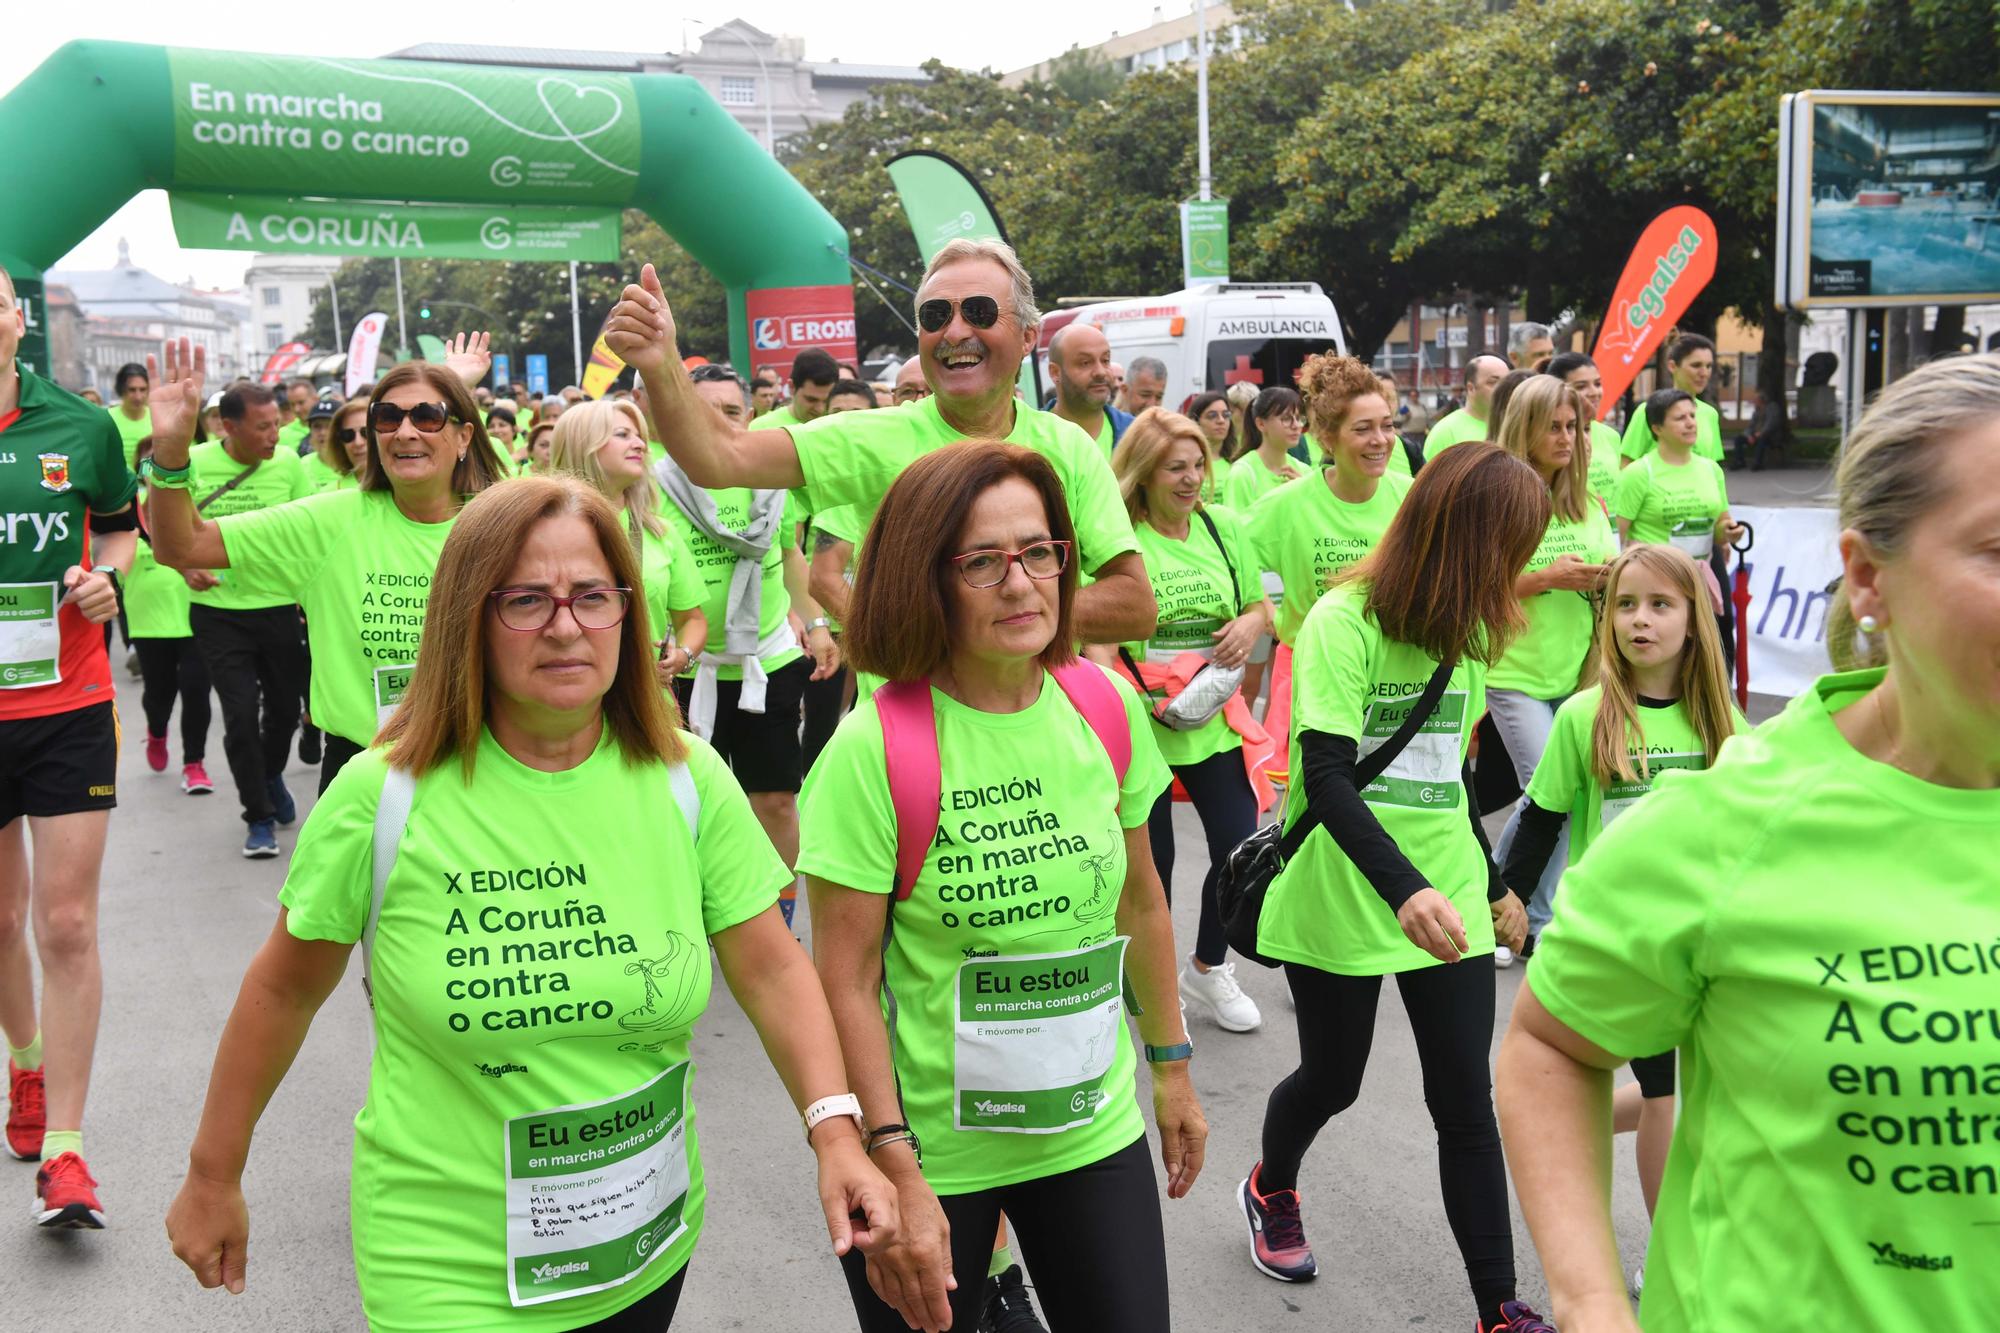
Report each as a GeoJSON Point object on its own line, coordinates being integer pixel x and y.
{"type": "Point", "coordinates": [763, 71]}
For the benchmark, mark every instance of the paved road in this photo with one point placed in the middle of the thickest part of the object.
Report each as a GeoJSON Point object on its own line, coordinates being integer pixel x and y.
{"type": "Point", "coordinates": [183, 912]}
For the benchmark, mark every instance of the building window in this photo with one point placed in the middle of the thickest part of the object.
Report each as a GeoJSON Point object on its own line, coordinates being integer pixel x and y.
{"type": "Point", "coordinates": [274, 335]}
{"type": "Point", "coordinates": [272, 296]}
{"type": "Point", "coordinates": [738, 91]}
{"type": "Point", "coordinates": [1177, 51]}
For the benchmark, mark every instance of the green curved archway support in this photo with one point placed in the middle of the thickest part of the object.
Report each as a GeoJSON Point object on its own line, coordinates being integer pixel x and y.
{"type": "Point", "coordinates": [97, 122]}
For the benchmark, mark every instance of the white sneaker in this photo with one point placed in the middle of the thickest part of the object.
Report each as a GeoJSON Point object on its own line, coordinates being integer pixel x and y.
{"type": "Point", "coordinates": [1216, 992]}
{"type": "Point", "coordinates": [1502, 956]}
{"type": "Point", "coordinates": [1637, 1286]}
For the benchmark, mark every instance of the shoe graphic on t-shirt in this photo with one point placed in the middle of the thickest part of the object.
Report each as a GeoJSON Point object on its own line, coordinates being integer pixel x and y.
{"type": "Point", "coordinates": [669, 981]}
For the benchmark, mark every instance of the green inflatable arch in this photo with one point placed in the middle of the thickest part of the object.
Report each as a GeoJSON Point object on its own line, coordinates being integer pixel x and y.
{"type": "Point", "coordinates": [98, 122]}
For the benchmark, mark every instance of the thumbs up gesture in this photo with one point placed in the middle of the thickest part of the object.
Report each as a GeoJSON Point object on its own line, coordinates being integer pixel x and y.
{"type": "Point", "coordinates": [641, 327]}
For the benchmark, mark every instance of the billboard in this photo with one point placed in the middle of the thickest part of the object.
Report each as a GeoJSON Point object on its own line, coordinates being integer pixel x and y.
{"type": "Point", "coordinates": [784, 321]}
{"type": "Point", "coordinates": [1888, 199]}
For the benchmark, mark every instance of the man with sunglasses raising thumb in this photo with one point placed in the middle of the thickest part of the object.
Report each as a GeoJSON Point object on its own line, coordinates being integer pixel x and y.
{"type": "Point", "coordinates": [976, 314]}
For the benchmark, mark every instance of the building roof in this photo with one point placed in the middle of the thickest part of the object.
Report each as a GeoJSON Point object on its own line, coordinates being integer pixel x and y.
{"type": "Point", "coordinates": [468, 53]}
{"type": "Point", "coordinates": [836, 71]}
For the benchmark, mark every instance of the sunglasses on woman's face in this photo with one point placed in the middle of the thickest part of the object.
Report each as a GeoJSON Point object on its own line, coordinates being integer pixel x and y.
{"type": "Point", "coordinates": [981, 312]}
{"type": "Point", "coordinates": [429, 418]}
{"type": "Point", "coordinates": [349, 434]}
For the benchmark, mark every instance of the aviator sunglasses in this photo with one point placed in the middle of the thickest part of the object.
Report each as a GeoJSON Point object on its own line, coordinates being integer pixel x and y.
{"type": "Point", "coordinates": [981, 312]}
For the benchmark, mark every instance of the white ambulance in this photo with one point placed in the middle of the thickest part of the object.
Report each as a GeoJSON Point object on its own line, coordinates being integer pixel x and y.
{"type": "Point", "coordinates": [1211, 337]}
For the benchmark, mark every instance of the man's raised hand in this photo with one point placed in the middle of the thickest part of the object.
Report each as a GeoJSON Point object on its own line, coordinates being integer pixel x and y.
{"type": "Point", "coordinates": [176, 396]}
{"type": "Point", "coordinates": [641, 327]}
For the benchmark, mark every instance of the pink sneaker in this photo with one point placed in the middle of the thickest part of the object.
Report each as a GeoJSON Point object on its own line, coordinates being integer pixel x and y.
{"type": "Point", "coordinates": [1277, 1234]}
{"type": "Point", "coordinates": [194, 780]}
{"type": "Point", "coordinates": [156, 753]}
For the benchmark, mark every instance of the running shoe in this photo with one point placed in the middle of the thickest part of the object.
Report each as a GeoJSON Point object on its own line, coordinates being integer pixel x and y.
{"type": "Point", "coordinates": [1517, 1317]}
{"type": "Point", "coordinates": [309, 751]}
{"type": "Point", "coordinates": [1637, 1286]}
{"type": "Point", "coordinates": [27, 1110]}
{"type": "Point", "coordinates": [286, 809]}
{"type": "Point", "coordinates": [1008, 1307]}
{"type": "Point", "coordinates": [262, 843]}
{"type": "Point", "coordinates": [156, 753]}
{"type": "Point", "coordinates": [1217, 994]}
{"type": "Point", "coordinates": [194, 779]}
{"type": "Point", "coordinates": [1502, 956]}
{"type": "Point", "coordinates": [1277, 1234]}
{"type": "Point", "coordinates": [66, 1196]}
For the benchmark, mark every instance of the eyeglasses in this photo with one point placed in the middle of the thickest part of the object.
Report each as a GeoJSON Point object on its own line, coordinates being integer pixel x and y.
{"type": "Point", "coordinates": [528, 611]}
{"type": "Point", "coordinates": [981, 312]}
{"type": "Point", "coordinates": [988, 568]}
{"type": "Point", "coordinates": [428, 418]}
{"type": "Point", "coordinates": [349, 434]}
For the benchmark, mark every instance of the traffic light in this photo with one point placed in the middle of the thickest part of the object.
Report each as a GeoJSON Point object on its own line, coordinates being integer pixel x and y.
{"type": "Point", "coordinates": [423, 312]}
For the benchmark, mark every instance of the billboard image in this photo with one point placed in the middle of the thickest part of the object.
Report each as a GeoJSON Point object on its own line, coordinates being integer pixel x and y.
{"type": "Point", "coordinates": [1890, 199]}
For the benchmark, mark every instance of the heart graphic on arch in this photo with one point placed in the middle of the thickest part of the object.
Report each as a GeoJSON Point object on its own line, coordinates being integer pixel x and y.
{"type": "Point", "coordinates": [577, 95]}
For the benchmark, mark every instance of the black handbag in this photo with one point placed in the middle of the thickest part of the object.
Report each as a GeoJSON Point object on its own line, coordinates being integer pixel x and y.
{"type": "Point", "coordinates": [1246, 876]}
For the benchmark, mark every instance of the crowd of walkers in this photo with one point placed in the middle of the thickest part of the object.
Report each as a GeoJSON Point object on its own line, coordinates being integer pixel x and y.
{"type": "Point", "coordinates": [948, 661]}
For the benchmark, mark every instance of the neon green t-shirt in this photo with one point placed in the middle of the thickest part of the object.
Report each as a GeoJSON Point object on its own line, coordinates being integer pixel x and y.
{"type": "Point", "coordinates": [277, 480]}
{"type": "Point", "coordinates": [1564, 780]}
{"type": "Point", "coordinates": [1250, 481]}
{"type": "Point", "coordinates": [526, 964]}
{"type": "Point", "coordinates": [130, 432]}
{"type": "Point", "coordinates": [1196, 597]}
{"type": "Point", "coordinates": [1814, 930]}
{"type": "Point", "coordinates": [156, 598]}
{"type": "Point", "coordinates": [1670, 505]}
{"type": "Point", "coordinates": [293, 434]}
{"type": "Point", "coordinates": [1455, 427]}
{"type": "Point", "coordinates": [1215, 485]}
{"type": "Point", "coordinates": [1305, 534]}
{"type": "Point", "coordinates": [362, 572]}
{"type": "Point", "coordinates": [1544, 661]}
{"type": "Point", "coordinates": [1349, 679]}
{"type": "Point", "coordinates": [776, 418]}
{"type": "Point", "coordinates": [1639, 439]}
{"type": "Point", "coordinates": [323, 478]}
{"type": "Point", "coordinates": [1603, 462]}
{"type": "Point", "coordinates": [1029, 863]}
{"type": "Point", "coordinates": [854, 457]}
{"type": "Point", "coordinates": [716, 563]}
{"type": "Point", "coordinates": [672, 582]}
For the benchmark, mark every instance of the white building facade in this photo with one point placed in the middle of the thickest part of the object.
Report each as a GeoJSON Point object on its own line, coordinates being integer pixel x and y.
{"type": "Point", "coordinates": [127, 311]}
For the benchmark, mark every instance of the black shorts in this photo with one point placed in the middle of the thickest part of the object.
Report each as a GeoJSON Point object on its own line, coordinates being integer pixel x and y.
{"type": "Point", "coordinates": [763, 749]}
{"type": "Point", "coordinates": [1655, 1074]}
{"type": "Point", "coordinates": [59, 764]}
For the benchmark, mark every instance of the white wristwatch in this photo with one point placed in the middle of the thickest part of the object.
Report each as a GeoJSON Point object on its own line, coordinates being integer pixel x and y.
{"type": "Point", "coordinates": [843, 1103]}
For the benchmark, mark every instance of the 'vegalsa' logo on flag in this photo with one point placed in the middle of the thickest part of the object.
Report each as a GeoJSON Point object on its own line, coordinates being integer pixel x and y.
{"type": "Point", "coordinates": [768, 334]}
{"type": "Point", "coordinates": [55, 472]}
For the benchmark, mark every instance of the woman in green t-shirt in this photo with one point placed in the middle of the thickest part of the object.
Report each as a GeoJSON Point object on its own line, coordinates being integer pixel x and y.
{"type": "Point", "coordinates": [1008, 1068]}
{"type": "Point", "coordinates": [338, 460]}
{"type": "Point", "coordinates": [559, 860]}
{"type": "Point", "coordinates": [129, 414]}
{"type": "Point", "coordinates": [1394, 879]}
{"type": "Point", "coordinates": [1206, 581]}
{"type": "Point", "coordinates": [1661, 703]}
{"type": "Point", "coordinates": [1581, 374]}
{"type": "Point", "coordinates": [1691, 362]}
{"type": "Point", "coordinates": [1263, 461]}
{"type": "Point", "coordinates": [1811, 923]}
{"type": "Point", "coordinates": [156, 608]}
{"type": "Point", "coordinates": [1210, 411]}
{"type": "Point", "coordinates": [1557, 592]}
{"type": "Point", "coordinates": [604, 443]}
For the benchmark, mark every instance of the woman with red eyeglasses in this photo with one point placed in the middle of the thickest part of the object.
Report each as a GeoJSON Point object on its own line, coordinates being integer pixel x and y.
{"type": "Point", "coordinates": [359, 561]}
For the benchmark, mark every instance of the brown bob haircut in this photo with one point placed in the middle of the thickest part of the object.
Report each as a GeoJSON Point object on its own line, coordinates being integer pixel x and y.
{"type": "Point", "coordinates": [479, 468]}
{"type": "Point", "coordinates": [1442, 577]}
{"type": "Point", "coordinates": [899, 620]}
{"type": "Point", "coordinates": [445, 709]}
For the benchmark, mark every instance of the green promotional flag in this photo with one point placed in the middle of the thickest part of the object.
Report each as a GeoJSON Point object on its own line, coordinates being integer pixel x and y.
{"type": "Point", "coordinates": [1205, 240]}
{"type": "Point", "coordinates": [431, 348]}
{"type": "Point", "coordinates": [405, 129]}
{"type": "Point", "coordinates": [406, 231]}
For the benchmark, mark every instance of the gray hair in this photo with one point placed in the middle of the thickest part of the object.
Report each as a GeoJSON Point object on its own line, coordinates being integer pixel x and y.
{"type": "Point", "coordinates": [1022, 297]}
{"type": "Point", "coordinates": [1521, 335]}
{"type": "Point", "coordinates": [1147, 365]}
{"type": "Point", "coordinates": [1889, 477]}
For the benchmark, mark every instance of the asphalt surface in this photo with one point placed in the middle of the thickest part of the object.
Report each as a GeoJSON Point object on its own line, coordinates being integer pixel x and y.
{"type": "Point", "coordinates": [182, 913]}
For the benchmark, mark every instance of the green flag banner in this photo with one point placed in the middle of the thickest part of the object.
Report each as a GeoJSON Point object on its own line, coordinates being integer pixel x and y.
{"type": "Point", "coordinates": [406, 231]}
{"type": "Point", "coordinates": [403, 128]}
{"type": "Point", "coordinates": [1205, 240]}
{"type": "Point", "coordinates": [942, 201]}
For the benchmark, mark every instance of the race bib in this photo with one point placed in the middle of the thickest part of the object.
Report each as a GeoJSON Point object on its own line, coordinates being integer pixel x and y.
{"type": "Point", "coordinates": [1622, 796]}
{"type": "Point", "coordinates": [595, 1192]}
{"type": "Point", "coordinates": [1173, 638]}
{"type": "Point", "coordinates": [391, 684]}
{"type": "Point", "coordinates": [30, 642]}
{"type": "Point", "coordinates": [1034, 1036]}
{"type": "Point", "coordinates": [1425, 776]}
{"type": "Point", "coordinates": [1695, 536]}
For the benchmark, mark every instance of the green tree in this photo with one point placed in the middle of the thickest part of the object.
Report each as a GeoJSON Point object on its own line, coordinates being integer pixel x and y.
{"type": "Point", "coordinates": [1082, 75]}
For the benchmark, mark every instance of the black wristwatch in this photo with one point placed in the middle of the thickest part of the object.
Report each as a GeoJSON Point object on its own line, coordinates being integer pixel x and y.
{"type": "Point", "coordinates": [111, 572]}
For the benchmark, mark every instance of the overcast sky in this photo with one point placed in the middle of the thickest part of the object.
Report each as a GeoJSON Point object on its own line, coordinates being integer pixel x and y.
{"type": "Point", "coordinates": [893, 32]}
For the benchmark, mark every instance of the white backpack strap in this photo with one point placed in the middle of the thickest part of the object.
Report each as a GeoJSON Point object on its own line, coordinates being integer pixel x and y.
{"type": "Point", "coordinates": [686, 797]}
{"type": "Point", "coordinates": [392, 816]}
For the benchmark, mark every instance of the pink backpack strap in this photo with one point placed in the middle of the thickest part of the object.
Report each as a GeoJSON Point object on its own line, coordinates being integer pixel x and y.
{"type": "Point", "coordinates": [1092, 694]}
{"type": "Point", "coordinates": [916, 773]}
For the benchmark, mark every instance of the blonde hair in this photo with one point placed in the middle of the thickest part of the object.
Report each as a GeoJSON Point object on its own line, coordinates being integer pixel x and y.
{"type": "Point", "coordinates": [1531, 412]}
{"type": "Point", "coordinates": [444, 711]}
{"type": "Point", "coordinates": [1021, 297]}
{"type": "Point", "coordinates": [1142, 446]}
{"type": "Point", "coordinates": [1890, 476]}
{"type": "Point", "coordinates": [1704, 680]}
{"type": "Point", "coordinates": [580, 432]}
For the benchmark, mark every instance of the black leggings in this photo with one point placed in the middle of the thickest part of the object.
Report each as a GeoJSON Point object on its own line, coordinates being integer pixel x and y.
{"type": "Point", "coordinates": [1091, 1238]}
{"type": "Point", "coordinates": [170, 669]}
{"type": "Point", "coordinates": [651, 1313]}
{"type": "Point", "coordinates": [1451, 1016]}
{"type": "Point", "coordinates": [338, 751]}
{"type": "Point", "coordinates": [1219, 789]}
{"type": "Point", "coordinates": [822, 713]}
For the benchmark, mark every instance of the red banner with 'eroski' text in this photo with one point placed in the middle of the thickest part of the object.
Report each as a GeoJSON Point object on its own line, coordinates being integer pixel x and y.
{"type": "Point", "coordinates": [784, 321]}
{"type": "Point", "coordinates": [1673, 261]}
